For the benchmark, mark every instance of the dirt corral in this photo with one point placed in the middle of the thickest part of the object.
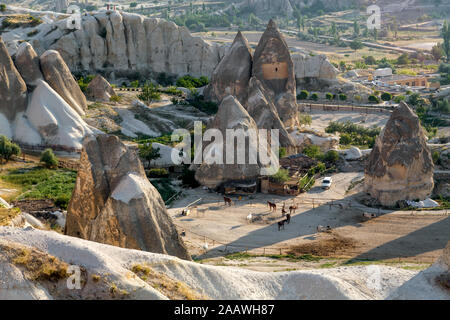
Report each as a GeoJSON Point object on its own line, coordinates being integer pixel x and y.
{"type": "Point", "coordinates": [389, 235]}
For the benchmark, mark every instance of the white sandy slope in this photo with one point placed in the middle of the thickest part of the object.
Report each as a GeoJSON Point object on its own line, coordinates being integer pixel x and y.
{"type": "Point", "coordinates": [218, 282]}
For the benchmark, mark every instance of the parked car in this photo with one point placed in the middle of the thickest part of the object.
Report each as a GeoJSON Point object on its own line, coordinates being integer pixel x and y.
{"type": "Point", "coordinates": [326, 182]}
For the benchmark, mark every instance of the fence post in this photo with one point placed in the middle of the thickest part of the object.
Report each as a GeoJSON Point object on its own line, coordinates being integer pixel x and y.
{"type": "Point", "coordinates": [280, 251]}
{"type": "Point", "coordinates": [313, 205]}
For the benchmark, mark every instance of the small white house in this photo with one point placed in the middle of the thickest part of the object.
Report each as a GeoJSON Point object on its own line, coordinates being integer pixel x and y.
{"type": "Point", "coordinates": [384, 72]}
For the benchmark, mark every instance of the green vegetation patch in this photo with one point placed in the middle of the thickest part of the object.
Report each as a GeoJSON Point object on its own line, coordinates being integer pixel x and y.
{"type": "Point", "coordinates": [39, 183]}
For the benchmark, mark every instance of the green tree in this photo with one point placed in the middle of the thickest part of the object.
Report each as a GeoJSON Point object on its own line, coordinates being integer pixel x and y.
{"type": "Point", "coordinates": [386, 96]}
{"type": "Point", "coordinates": [314, 96]}
{"type": "Point", "coordinates": [149, 93]}
{"type": "Point", "coordinates": [49, 159]}
{"type": "Point", "coordinates": [356, 29]}
{"type": "Point", "coordinates": [342, 97]}
{"type": "Point", "coordinates": [437, 52]}
{"type": "Point", "coordinates": [8, 149]}
{"type": "Point", "coordinates": [303, 95]}
{"type": "Point", "coordinates": [445, 32]}
{"type": "Point", "coordinates": [356, 45]}
{"type": "Point", "coordinates": [2, 7]}
{"type": "Point", "coordinates": [148, 153]}
{"type": "Point", "coordinates": [329, 96]}
{"type": "Point", "coordinates": [403, 59]}
{"type": "Point", "coordinates": [281, 176]}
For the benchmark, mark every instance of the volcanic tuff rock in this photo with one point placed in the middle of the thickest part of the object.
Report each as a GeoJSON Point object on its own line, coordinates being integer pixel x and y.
{"type": "Point", "coordinates": [99, 89]}
{"type": "Point", "coordinates": [57, 123]}
{"type": "Point", "coordinates": [123, 44]}
{"type": "Point", "coordinates": [313, 68]}
{"type": "Point", "coordinates": [231, 115]}
{"type": "Point", "coordinates": [27, 63]}
{"type": "Point", "coordinates": [59, 77]}
{"type": "Point", "coordinates": [232, 74]}
{"type": "Point", "coordinates": [13, 91]}
{"type": "Point", "coordinates": [264, 112]}
{"type": "Point", "coordinates": [400, 166]}
{"type": "Point", "coordinates": [114, 203]}
{"type": "Point", "coordinates": [273, 66]}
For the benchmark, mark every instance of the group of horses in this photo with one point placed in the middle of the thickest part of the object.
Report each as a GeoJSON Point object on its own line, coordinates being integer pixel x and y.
{"type": "Point", "coordinates": [273, 208]}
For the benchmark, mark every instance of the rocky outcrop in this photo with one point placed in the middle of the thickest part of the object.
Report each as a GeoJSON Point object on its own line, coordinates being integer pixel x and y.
{"type": "Point", "coordinates": [215, 168]}
{"type": "Point", "coordinates": [54, 120]}
{"type": "Point", "coordinates": [45, 119]}
{"type": "Point", "coordinates": [59, 77]}
{"type": "Point", "coordinates": [309, 138]}
{"type": "Point", "coordinates": [233, 73]}
{"type": "Point", "coordinates": [273, 66]}
{"type": "Point", "coordinates": [400, 166]}
{"type": "Point", "coordinates": [265, 114]}
{"type": "Point", "coordinates": [124, 44]}
{"type": "Point", "coordinates": [313, 71]}
{"type": "Point", "coordinates": [445, 258]}
{"type": "Point", "coordinates": [114, 203]}
{"type": "Point", "coordinates": [27, 63]}
{"type": "Point", "coordinates": [13, 91]}
{"type": "Point", "coordinates": [99, 89]}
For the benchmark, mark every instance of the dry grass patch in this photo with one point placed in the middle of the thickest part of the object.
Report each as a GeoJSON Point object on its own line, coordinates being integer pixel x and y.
{"type": "Point", "coordinates": [7, 215]}
{"type": "Point", "coordinates": [37, 265]}
{"type": "Point", "coordinates": [173, 289]}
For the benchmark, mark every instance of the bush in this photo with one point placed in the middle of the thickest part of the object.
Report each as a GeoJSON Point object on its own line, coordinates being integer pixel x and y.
{"type": "Point", "coordinates": [158, 173]}
{"type": "Point", "coordinates": [342, 97]}
{"type": "Point", "coordinates": [188, 178]}
{"type": "Point", "coordinates": [115, 98]}
{"type": "Point", "coordinates": [281, 176]}
{"type": "Point", "coordinates": [331, 156]}
{"type": "Point", "coordinates": [192, 82]}
{"type": "Point", "coordinates": [345, 139]}
{"type": "Point", "coordinates": [312, 151]}
{"type": "Point", "coordinates": [8, 149]}
{"type": "Point", "coordinates": [386, 96]}
{"type": "Point", "coordinates": [2, 7]}
{"type": "Point", "coordinates": [134, 84]}
{"type": "Point", "coordinates": [282, 152]}
{"type": "Point", "coordinates": [83, 82]}
{"type": "Point", "coordinates": [49, 159]}
{"type": "Point", "coordinates": [304, 119]}
{"type": "Point", "coordinates": [329, 96]}
{"type": "Point", "coordinates": [374, 99]}
{"type": "Point", "coordinates": [207, 107]}
{"type": "Point", "coordinates": [314, 96]}
{"type": "Point", "coordinates": [303, 95]}
{"type": "Point", "coordinates": [399, 98]}
{"type": "Point", "coordinates": [436, 157]}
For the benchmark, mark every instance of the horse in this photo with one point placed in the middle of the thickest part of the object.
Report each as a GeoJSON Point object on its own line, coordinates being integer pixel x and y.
{"type": "Point", "coordinates": [283, 210]}
{"type": "Point", "coordinates": [292, 208]}
{"type": "Point", "coordinates": [288, 218]}
{"type": "Point", "coordinates": [272, 206]}
{"type": "Point", "coordinates": [281, 224]}
{"type": "Point", "coordinates": [227, 201]}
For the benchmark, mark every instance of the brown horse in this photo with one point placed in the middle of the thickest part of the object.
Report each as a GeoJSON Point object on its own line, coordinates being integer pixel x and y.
{"type": "Point", "coordinates": [281, 224]}
{"type": "Point", "coordinates": [292, 208]}
{"type": "Point", "coordinates": [272, 206]}
{"type": "Point", "coordinates": [227, 201]}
